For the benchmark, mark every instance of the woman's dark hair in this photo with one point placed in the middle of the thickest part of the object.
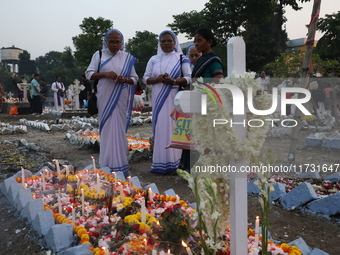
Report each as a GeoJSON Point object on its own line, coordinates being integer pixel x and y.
{"type": "Point", "coordinates": [207, 35]}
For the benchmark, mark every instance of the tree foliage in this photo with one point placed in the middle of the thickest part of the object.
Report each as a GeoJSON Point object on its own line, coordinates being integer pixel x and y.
{"type": "Point", "coordinates": [142, 46]}
{"type": "Point", "coordinates": [26, 65]}
{"type": "Point", "coordinates": [188, 22]}
{"type": "Point", "coordinates": [90, 40]}
{"type": "Point", "coordinates": [56, 63]}
{"type": "Point", "coordinates": [290, 65]}
{"type": "Point", "coordinates": [260, 23]}
{"type": "Point", "coordinates": [328, 45]}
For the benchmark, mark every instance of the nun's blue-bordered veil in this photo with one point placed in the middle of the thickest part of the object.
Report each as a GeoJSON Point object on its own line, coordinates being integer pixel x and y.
{"type": "Point", "coordinates": [174, 36]}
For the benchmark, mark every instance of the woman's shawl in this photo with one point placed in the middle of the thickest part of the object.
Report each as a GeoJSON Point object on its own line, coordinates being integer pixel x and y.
{"type": "Point", "coordinates": [202, 63]}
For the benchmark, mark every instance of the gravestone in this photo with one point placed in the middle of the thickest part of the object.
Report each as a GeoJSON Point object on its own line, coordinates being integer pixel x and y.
{"type": "Point", "coordinates": [334, 102]}
{"type": "Point", "coordinates": [190, 102]}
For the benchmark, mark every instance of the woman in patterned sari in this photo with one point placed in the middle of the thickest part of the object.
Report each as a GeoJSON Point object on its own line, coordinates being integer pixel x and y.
{"type": "Point", "coordinates": [165, 72]}
{"type": "Point", "coordinates": [115, 72]}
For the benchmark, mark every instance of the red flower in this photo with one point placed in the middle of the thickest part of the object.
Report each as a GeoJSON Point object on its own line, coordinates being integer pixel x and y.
{"type": "Point", "coordinates": [176, 206]}
{"type": "Point", "coordinates": [135, 226]}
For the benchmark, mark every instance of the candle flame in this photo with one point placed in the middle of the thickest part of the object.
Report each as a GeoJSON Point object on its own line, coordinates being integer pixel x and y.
{"type": "Point", "coordinates": [168, 251]}
{"type": "Point", "coordinates": [257, 217]}
{"type": "Point", "coordinates": [184, 244]}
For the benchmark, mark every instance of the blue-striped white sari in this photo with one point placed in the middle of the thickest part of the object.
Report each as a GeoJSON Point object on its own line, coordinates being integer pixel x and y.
{"type": "Point", "coordinates": [114, 103]}
{"type": "Point", "coordinates": [165, 160]}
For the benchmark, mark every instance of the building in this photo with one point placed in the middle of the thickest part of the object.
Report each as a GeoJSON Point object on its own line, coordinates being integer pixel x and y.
{"type": "Point", "coordinates": [10, 58]}
{"type": "Point", "coordinates": [298, 44]}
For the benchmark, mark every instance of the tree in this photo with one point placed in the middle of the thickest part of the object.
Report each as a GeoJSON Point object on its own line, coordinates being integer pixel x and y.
{"type": "Point", "coordinates": [91, 39]}
{"type": "Point", "coordinates": [328, 45]}
{"type": "Point", "coordinates": [188, 22]}
{"type": "Point", "coordinates": [142, 46]}
{"type": "Point", "coordinates": [26, 65]}
{"type": "Point", "coordinates": [290, 65]}
{"type": "Point", "coordinates": [261, 25]}
{"type": "Point", "coordinates": [56, 63]}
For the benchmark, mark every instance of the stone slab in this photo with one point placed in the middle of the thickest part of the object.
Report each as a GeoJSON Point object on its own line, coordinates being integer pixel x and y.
{"type": "Point", "coordinates": [318, 252]}
{"type": "Point", "coordinates": [301, 244]}
{"type": "Point", "coordinates": [120, 176]}
{"type": "Point", "coordinates": [59, 237]}
{"type": "Point", "coordinates": [106, 169]}
{"type": "Point", "coordinates": [309, 175]}
{"type": "Point", "coordinates": [43, 222]}
{"type": "Point", "coordinates": [170, 192]}
{"type": "Point", "coordinates": [298, 196]}
{"type": "Point", "coordinates": [193, 205]}
{"type": "Point", "coordinates": [278, 193]}
{"type": "Point", "coordinates": [23, 197]}
{"type": "Point", "coordinates": [326, 206]}
{"type": "Point", "coordinates": [331, 143]}
{"type": "Point", "coordinates": [252, 188]}
{"type": "Point", "coordinates": [32, 208]}
{"type": "Point", "coordinates": [313, 141]}
{"type": "Point", "coordinates": [83, 249]}
{"type": "Point", "coordinates": [8, 182]}
{"type": "Point", "coordinates": [13, 192]}
{"type": "Point", "coordinates": [153, 187]}
{"type": "Point", "coordinates": [135, 181]}
{"type": "Point", "coordinates": [333, 177]}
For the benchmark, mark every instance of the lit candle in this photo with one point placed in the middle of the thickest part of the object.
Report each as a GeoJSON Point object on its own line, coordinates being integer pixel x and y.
{"type": "Point", "coordinates": [187, 248]}
{"type": "Point", "coordinates": [59, 205]}
{"type": "Point", "coordinates": [115, 176]}
{"type": "Point", "coordinates": [106, 252]}
{"type": "Point", "coordinates": [143, 211]}
{"type": "Point", "coordinates": [73, 216]}
{"type": "Point", "coordinates": [257, 227]}
{"type": "Point", "coordinates": [169, 251]}
{"type": "Point", "coordinates": [130, 183]}
{"type": "Point", "coordinates": [121, 192]}
{"type": "Point", "coordinates": [98, 184]}
{"type": "Point", "coordinates": [23, 177]}
{"type": "Point", "coordinates": [177, 199]}
{"type": "Point", "coordinates": [94, 164]}
{"type": "Point", "coordinates": [67, 170]}
{"type": "Point", "coordinates": [150, 195]}
{"type": "Point", "coordinates": [58, 168]}
{"type": "Point", "coordinates": [78, 181]}
{"type": "Point", "coordinates": [145, 243]}
{"type": "Point", "coordinates": [82, 202]}
{"type": "Point", "coordinates": [43, 179]}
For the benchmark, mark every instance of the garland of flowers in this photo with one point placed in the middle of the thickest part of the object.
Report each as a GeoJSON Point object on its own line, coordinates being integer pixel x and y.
{"type": "Point", "coordinates": [212, 191]}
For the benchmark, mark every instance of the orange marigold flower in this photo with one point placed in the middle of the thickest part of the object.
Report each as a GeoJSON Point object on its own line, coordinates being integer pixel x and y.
{"type": "Point", "coordinates": [183, 223]}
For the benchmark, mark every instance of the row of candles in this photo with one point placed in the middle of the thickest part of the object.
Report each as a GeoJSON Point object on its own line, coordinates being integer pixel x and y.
{"type": "Point", "coordinates": [98, 185]}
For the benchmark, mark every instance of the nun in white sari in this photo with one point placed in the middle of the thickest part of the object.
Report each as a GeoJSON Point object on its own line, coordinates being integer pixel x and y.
{"type": "Point", "coordinates": [166, 72]}
{"type": "Point", "coordinates": [115, 90]}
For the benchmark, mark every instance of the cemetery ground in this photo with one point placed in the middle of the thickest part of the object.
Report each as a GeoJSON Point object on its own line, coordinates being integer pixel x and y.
{"type": "Point", "coordinates": [16, 237]}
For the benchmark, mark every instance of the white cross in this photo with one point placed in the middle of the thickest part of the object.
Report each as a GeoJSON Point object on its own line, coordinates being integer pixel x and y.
{"type": "Point", "coordinates": [190, 102]}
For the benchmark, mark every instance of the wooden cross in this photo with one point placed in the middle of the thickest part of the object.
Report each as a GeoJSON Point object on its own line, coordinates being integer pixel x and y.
{"type": "Point", "coordinates": [190, 102]}
{"type": "Point", "coordinates": [334, 103]}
